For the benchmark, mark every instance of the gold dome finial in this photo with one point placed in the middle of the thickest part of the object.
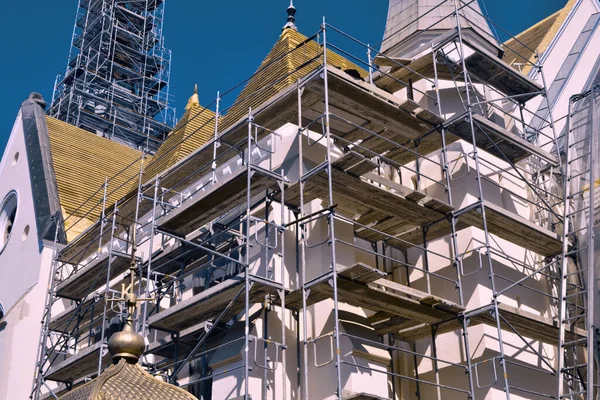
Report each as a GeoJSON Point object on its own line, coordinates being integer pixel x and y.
{"type": "Point", "coordinates": [126, 344]}
{"type": "Point", "coordinates": [193, 99]}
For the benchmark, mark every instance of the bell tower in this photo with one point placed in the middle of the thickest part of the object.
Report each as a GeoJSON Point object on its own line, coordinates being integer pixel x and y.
{"type": "Point", "coordinates": [117, 75]}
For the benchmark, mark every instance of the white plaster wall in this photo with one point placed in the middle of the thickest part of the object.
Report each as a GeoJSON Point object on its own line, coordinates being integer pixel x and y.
{"type": "Point", "coordinates": [554, 57]}
{"type": "Point", "coordinates": [19, 338]}
{"type": "Point", "coordinates": [280, 376]}
{"type": "Point", "coordinates": [21, 258]}
{"type": "Point", "coordinates": [24, 263]}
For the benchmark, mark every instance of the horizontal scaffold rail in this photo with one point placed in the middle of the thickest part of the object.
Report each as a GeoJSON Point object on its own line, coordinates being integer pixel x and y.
{"type": "Point", "coordinates": [79, 365]}
{"type": "Point", "coordinates": [528, 324]}
{"type": "Point", "coordinates": [92, 276]}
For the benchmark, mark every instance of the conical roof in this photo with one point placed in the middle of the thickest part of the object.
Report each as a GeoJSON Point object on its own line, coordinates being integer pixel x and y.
{"type": "Point", "coordinates": [130, 381]}
{"type": "Point", "coordinates": [292, 57]}
{"type": "Point", "coordinates": [414, 23]}
{"type": "Point", "coordinates": [195, 128]}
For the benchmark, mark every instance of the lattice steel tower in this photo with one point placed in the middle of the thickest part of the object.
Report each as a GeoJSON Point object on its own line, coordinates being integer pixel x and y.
{"type": "Point", "coordinates": [117, 76]}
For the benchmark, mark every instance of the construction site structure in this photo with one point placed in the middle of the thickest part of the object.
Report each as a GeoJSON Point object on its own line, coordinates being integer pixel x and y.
{"type": "Point", "coordinates": [403, 223]}
{"type": "Point", "coordinates": [117, 75]}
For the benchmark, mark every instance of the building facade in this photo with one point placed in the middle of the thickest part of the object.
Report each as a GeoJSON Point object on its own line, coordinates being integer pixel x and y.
{"type": "Point", "coordinates": [413, 224]}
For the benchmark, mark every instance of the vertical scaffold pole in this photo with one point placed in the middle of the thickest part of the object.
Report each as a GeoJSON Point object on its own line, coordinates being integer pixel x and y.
{"type": "Point", "coordinates": [107, 289]}
{"type": "Point", "coordinates": [247, 260]}
{"type": "Point", "coordinates": [562, 311]}
{"type": "Point", "coordinates": [103, 213]}
{"type": "Point", "coordinates": [45, 330]}
{"type": "Point", "coordinates": [302, 232]}
{"type": "Point", "coordinates": [370, 59]}
{"type": "Point", "coordinates": [591, 272]}
{"type": "Point", "coordinates": [331, 219]}
{"type": "Point", "coordinates": [453, 235]}
{"type": "Point", "coordinates": [216, 135]}
{"type": "Point", "coordinates": [481, 203]}
{"type": "Point", "coordinates": [282, 291]}
{"type": "Point", "coordinates": [150, 253]}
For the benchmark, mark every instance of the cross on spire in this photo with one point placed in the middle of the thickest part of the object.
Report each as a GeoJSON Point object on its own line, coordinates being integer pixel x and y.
{"type": "Point", "coordinates": [128, 344]}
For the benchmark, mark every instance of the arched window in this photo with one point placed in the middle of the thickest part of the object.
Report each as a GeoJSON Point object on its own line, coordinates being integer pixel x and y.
{"type": "Point", "coordinates": [8, 213]}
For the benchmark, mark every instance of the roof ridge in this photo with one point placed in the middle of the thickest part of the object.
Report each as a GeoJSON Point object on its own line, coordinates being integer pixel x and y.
{"type": "Point", "coordinates": [529, 39]}
{"type": "Point", "coordinates": [534, 26]}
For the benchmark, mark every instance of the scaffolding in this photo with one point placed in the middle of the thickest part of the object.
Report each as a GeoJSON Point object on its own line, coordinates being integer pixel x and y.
{"type": "Point", "coordinates": [117, 75]}
{"type": "Point", "coordinates": [430, 202]}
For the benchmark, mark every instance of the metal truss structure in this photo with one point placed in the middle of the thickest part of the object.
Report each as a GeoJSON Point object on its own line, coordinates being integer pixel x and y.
{"type": "Point", "coordinates": [391, 173]}
{"type": "Point", "coordinates": [118, 71]}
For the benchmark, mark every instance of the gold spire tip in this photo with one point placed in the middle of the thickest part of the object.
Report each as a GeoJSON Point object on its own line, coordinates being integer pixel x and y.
{"type": "Point", "coordinates": [194, 100]}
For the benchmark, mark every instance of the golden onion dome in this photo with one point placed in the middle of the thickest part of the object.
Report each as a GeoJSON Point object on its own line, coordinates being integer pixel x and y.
{"type": "Point", "coordinates": [126, 344]}
{"type": "Point", "coordinates": [125, 379]}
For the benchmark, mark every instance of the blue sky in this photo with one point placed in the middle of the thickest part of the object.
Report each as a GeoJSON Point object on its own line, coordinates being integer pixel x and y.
{"type": "Point", "coordinates": [216, 44]}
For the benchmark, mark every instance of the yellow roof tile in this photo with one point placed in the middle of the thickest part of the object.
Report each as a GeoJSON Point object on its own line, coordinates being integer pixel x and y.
{"type": "Point", "coordinates": [537, 37]}
{"type": "Point", "coordinates": [292, 57]}
{"type": "Point", "coordinates": [82, 161]}
{"type": "Point", "coordinates": [194, 129]}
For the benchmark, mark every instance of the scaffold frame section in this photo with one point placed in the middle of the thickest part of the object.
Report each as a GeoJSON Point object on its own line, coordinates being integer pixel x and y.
{"type": "Point", "coordinates": [117, 75]}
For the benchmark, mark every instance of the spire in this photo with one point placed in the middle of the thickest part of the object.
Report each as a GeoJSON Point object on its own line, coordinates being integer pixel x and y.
{"type": "Point", "coordinates": [193, 100]}
{"type": "Point", "coordinates": [291, 20]}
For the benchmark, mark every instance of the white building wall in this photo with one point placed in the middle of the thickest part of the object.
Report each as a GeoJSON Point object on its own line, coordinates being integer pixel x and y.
{"type": "Point", "coordinates": [24, 262]}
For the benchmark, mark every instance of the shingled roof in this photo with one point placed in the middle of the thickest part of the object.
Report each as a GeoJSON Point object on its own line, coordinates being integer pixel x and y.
{"type": "Point", "coordinates": [521, 50]}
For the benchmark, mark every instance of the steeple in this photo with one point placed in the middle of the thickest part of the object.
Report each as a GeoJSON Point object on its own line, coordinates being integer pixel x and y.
{"type": "Point", "coordinates": [291, 20]}
{"type": "Point", "coordinates": [118, 97]}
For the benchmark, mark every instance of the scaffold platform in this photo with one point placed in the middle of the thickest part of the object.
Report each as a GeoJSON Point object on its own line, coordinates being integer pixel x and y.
{"type": "Point", "coordinates": [401, 207]}
{"type": "Point", "coordinates": [209, 304]}
{"type": "Point", "coordinates": [92, 276]}
{"type": "Point", "coordinates": [222, 197]}
{"type": "Point", "coordinates": [185, 341]}
{"type": "Point", "coordinates": [79, 365]}
{"type": "Point", "coordinates": [526, 323]}
{"type": "Point", "coordinates": [496, 140]}
{"type": "Point", "coordinates": [363, 286]}
{"type": "Point", "coordinates": [485, 67]}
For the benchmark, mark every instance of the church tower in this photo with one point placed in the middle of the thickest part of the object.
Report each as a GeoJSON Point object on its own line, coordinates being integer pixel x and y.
{"type": "Point", "coordinates": [117, 75]}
